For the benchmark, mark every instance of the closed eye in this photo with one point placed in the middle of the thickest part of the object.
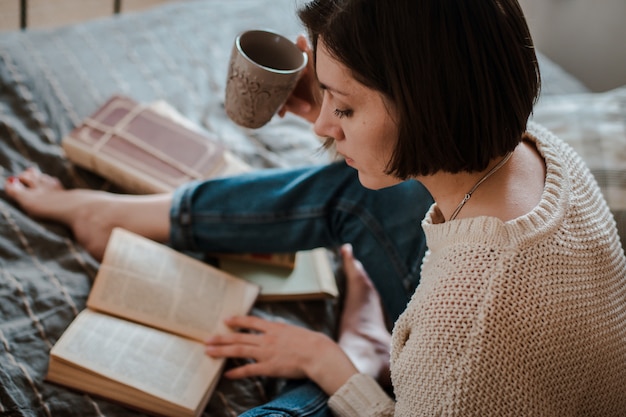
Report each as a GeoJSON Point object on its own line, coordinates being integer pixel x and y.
{"type": "Point", "coordinates": [343, 113]}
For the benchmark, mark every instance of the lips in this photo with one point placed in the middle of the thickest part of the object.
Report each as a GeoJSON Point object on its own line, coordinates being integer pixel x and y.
{"type": "Point", "coordinates": [348, 160]}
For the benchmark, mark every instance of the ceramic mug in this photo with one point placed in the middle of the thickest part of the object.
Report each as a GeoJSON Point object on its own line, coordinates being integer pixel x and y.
{"type": "Point", "coordinates": [263, 70]}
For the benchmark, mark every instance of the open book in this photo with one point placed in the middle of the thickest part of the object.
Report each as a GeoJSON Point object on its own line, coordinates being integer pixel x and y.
{"type": "Point", "coordinates": [140, 340]}
{"type": "Point", "coordinates": [147, 149]}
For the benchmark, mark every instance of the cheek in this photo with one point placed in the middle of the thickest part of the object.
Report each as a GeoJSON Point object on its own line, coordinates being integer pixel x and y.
{"type": "Point", "coordinates": [378, 156]}
{"type": "Point", "coordinates": [377, 151]}
{"type": "Point", "coordinates": [384, 139]}
{"type": "Point", "coordinates": [373, 145]}
{"type": "Point", "coordinates": [387, 146]}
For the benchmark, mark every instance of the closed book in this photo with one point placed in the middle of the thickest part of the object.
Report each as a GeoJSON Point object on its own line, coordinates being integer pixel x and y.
{"type": "Point", "coordinates": [147, 149]}
{"type": "Point", "coordinates": [311, 276]}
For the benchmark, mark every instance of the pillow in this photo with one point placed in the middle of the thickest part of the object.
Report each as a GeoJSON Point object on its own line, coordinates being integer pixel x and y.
{"type": "Point", "coordinates": [595, 125]}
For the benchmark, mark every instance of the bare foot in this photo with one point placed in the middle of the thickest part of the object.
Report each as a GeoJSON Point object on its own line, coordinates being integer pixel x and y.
{"type": "Point", "coordinates": [363, 334]}
{"type": "Point", "coordinates": [90, 214]}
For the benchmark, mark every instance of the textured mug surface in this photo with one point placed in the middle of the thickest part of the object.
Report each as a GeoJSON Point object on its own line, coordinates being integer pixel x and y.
{"type": "Point", "coordinates": [263, 70]}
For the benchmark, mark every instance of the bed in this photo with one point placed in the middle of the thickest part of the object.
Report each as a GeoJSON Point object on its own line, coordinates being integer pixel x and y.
{"type": "Point", "coordinates": [50, 79]}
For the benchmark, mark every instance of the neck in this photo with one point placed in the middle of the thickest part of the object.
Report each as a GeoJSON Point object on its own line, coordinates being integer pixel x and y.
{"type": "Point", "coordinates": [452, 192]}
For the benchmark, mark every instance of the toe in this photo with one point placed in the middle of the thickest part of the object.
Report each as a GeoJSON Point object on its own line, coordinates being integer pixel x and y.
{"type": "Point", "coordinates": [13, 182]}
{"type": "Point", "coordinates": [30, 176]}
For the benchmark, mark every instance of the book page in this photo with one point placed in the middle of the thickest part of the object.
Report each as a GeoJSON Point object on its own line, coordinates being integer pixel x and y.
{"type": "Point", "coordinates": [159, 363]}
{"type": "Point", "coordinates": [153, 284]}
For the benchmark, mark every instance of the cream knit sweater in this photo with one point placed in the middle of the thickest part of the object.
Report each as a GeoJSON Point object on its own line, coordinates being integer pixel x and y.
{"type": "Point", "coordinates": [523, 318]}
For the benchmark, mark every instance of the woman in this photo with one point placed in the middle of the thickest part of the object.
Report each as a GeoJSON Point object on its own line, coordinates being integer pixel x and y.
{"type": "Point", "coordinates": [522, 304]}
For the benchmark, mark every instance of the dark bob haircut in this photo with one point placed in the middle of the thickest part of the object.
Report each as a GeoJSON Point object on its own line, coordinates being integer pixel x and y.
{"type": "Point", "coordinates": [462, 74]}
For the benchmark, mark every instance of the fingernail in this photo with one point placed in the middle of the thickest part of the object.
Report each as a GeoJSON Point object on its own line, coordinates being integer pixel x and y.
{"type": "Point", "coordinates": [13, 179]}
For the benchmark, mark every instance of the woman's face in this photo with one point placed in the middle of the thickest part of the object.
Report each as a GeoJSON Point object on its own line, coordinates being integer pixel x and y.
{"type": "Point", "coordinates": [358, 119]}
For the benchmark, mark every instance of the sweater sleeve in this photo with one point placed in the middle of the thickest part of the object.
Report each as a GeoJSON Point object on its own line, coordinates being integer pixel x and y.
{"type": "Point", "coordinates": [361, 396]}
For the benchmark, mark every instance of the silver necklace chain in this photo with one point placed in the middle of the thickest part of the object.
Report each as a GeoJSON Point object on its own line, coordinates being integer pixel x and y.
{"type": "Point", "coordinates": [480, 181]}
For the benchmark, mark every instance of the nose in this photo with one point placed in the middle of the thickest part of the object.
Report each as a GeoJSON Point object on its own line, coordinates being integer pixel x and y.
{"type": "Point", "coordinates": [327, 124]}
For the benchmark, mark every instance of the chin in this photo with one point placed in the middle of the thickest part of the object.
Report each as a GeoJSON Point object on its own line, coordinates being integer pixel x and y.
{"type": "Point", "coordinates": [377, 182]}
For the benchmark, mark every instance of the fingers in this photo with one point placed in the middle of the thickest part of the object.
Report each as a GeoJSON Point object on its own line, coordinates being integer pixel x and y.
{"type": "Point", "coordinates": [249, 323]}
{"type": "Point", "coordinates": [234, 347]}
{"type": "Point", "coordinates": [260, 347]}
{"type": "Point", "coordinates": [304, 46]}
{"type": "Point", "coordinates": [303, 43]}
{"type": "Point", "coordinates": [295, 105]}
{"type": "Point", "coordinates": [276, 349]}
{"type": "Point", "coordinates": [246, 339]}
{"type": "Point", "coordinates": [240, 345]}
{"type": "Point", "coordinates": [256, 368]}
{"type": "Point", "coordinates": [300, 102]}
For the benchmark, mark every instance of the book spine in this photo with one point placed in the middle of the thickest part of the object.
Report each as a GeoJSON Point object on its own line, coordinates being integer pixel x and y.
{"type": "Point", "coordinates": [111, 169]}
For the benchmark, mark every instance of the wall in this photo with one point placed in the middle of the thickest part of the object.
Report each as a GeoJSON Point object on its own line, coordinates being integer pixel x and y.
{"type": "Point", "coordinates": [586, 37]}
{"type": "Point", "coordinates": [49, 13]}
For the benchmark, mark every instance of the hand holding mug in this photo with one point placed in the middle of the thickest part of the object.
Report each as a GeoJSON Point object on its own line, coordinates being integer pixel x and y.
{"type": "Point", "coordinates": [264, 69]}
{"type": "Point", "coordinates": [305, 100]}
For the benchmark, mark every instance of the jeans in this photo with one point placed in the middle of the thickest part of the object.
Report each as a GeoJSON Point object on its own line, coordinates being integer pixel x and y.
{"type": "Point", "coordinates": [286, 210]}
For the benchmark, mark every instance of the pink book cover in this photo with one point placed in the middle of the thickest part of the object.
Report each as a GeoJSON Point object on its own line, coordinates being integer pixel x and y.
{"type": "Point", "coordinates": [148, 143]}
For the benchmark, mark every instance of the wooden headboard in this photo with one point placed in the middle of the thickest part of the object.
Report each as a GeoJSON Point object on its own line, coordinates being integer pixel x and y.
{"type": "Point", "coordinates": [22, 14]}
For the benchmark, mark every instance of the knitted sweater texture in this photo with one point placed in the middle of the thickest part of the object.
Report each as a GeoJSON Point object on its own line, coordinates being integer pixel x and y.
{"type": "Point", "coordinates": [518, 318]}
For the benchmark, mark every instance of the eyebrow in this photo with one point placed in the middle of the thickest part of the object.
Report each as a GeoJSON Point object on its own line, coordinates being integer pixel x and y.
{"type": "Point", "coordinates": [333, 90]}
